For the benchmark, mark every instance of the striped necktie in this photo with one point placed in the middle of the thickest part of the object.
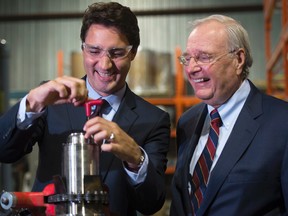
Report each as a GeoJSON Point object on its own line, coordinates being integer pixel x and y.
{"type": "Point", "coordinates": [202, 168]}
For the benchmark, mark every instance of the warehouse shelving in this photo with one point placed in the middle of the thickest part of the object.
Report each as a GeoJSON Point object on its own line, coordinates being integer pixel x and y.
{"type": "Point", "coordinates": [274, 86]}
{"type": "Point", "coordinates": [181, 100]}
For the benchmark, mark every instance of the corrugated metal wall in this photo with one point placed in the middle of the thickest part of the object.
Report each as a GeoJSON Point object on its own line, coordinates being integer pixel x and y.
{"type": "Point", "coordinates": [34, 44]}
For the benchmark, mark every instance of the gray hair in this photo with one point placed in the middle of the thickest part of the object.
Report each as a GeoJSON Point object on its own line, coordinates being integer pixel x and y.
{"type": "Point", "coordinates": [237, 37]}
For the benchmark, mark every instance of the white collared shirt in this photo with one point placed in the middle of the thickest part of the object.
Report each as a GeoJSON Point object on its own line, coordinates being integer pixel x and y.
{"type": "Point", "coordinates": [114, 99]}
{"type": "Point", "coordinates": [229, 113]}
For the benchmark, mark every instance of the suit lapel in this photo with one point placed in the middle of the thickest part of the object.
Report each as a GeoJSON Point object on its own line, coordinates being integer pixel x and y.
{"type": "Point", "coordinates": [125, 118]}
{"type": "Point", "coordinates": [196, 133]}
{"type": "Point", "coordinates": [240, 138]}
{"type": "Point", "coordinates": [184, 159]}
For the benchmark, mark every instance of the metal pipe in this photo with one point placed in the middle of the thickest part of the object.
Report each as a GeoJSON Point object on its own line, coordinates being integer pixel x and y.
{"type": "Point", "coordinates": [173, 11]}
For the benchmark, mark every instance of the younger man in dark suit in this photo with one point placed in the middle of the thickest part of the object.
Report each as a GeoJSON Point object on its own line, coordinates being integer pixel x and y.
{"type": "Point", "coordinates": [134, 162]}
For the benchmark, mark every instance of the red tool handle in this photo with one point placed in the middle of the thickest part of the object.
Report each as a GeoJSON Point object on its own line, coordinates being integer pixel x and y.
{"type": "Point", "coordinates": [31, 200]}
{"type": "Point", "coordinates": [90, 103]}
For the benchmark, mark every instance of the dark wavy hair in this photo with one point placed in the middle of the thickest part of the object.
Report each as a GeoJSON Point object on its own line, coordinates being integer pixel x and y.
{"type": "Point", "coordinates": [112, 14]}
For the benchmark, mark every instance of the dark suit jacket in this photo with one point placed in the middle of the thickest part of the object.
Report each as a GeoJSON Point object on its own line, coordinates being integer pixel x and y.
{"type": "Point", "coordinates": [251, 175]}
{"type": "Point", "coordinates": [146, 124]}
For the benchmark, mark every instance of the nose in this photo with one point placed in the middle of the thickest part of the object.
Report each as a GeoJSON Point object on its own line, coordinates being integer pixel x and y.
{"type": "Point", "coordinates": [192, 67]}
{"type": "Point", "coordinates": [192, 63]}
{"type": "Point", "coordinates": [105, 61]}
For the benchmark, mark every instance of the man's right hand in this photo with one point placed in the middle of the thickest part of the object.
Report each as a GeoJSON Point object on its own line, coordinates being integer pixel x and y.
{"type": "Point", "coordinates": [61, 90]}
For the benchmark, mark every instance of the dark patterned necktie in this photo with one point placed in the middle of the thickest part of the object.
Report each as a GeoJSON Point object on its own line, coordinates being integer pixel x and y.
{"type": "Point", "coordinates": [202, 168]}
{"type": "Point", "coordinates": [105, 108]}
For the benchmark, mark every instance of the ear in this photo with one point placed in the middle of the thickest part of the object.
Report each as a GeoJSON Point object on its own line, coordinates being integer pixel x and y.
{"type": "Point", "coordinates": [239, 61]}
{"type": "Point", "coordinates": [240, 58]}
{"type": "Point", "coordinates": [132, 55]}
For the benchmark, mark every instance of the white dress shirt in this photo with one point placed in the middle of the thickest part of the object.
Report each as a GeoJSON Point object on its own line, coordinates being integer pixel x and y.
{"type": "Point", "coordinates": [229, 113]}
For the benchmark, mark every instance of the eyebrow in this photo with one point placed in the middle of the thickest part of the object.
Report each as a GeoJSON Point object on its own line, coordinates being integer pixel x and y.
{"type": "Point", "coordinates": [112, 48]}
{"type": "Point", "coordinates": [199, 52]}
{"type": "Point", "coordinates": [92, 46]}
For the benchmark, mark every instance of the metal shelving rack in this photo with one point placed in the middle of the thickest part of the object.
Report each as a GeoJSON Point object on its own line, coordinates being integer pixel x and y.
{"type": "Point", "coordinates": [180, 100]}
{"type": "Point", "coordinates": [281, 50]}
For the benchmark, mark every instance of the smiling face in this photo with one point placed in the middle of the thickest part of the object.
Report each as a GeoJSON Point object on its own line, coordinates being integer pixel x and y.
{"type": "Point", "coordinates": [104, 74]}
{"type": "Point", "coordinates": [213, 82]}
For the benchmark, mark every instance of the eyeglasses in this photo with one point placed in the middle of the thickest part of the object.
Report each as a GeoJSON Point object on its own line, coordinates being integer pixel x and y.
{"type": "Point", "coordinates": [113, 53]}
{"type": "Point", "coordinates": [201, 58]}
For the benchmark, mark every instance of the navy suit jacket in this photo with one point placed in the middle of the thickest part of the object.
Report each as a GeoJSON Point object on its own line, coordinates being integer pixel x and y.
{"type": "Point", "coordinates": [148, 125]}
{"type": "Point", "coordinates": [251, 175]}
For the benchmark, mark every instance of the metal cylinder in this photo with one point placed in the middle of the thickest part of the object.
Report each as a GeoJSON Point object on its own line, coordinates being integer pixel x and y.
{"type": "Point", "coordinates": [81, 173]}
{"type": "Point", "coordinates": [81, 158]}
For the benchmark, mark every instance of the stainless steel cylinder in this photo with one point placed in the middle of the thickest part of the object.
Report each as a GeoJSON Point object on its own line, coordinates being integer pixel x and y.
{"type": "Point", "coordinates": [81, 158]}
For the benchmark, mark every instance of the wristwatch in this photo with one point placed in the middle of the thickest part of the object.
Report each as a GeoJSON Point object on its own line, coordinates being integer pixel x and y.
{"type": "Point", "coordinates": [137, 167]}
{"type": "Point", "coordinates": [142, 158]}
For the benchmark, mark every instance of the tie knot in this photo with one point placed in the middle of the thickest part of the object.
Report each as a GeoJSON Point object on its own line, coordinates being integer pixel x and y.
{"type": "Point", "coordinates": [215, 118]}
{"type": "Point", "coordinates": [105, 107]}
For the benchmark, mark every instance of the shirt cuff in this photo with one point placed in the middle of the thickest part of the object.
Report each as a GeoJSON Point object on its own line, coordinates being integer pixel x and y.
{"type": "Point", "coordinates": [25, 119]}
{"type": "Point", "coordinates": [138, 177]}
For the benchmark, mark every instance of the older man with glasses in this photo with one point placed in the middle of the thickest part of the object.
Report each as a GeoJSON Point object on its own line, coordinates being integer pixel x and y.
{"type": "Point", "coordinates": [235, 160]}
{"type": "Point", "coordinates": [134, 161]}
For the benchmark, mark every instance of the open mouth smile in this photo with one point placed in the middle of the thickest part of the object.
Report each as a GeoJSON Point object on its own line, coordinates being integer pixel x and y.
{"type": "Point", "coordinates": [106, 74]}
{"type": "Point", "coordinates": [200, 80]}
